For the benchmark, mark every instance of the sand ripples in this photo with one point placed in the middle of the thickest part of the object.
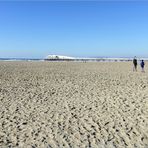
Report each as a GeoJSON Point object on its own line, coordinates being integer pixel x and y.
{"type": "Point", "coordinates": [97, 105]}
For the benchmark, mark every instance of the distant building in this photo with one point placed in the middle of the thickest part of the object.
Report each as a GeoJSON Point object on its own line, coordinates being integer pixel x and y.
{"type": "Point", "coordinates": [58, 58]}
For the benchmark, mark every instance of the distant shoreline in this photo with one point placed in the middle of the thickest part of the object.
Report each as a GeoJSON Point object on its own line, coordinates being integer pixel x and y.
{"type": "Point", "coordinates": [75, 59]}
{"type": "Point", "coordinates": [20, 59]}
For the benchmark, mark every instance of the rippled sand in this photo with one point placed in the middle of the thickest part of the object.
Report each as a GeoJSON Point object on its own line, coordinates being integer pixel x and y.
{"type": "Point", "coordinates": [73, 105]}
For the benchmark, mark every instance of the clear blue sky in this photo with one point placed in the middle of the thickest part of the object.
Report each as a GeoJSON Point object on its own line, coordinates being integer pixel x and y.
{"type": "Point", "coordinates": [92, 29]}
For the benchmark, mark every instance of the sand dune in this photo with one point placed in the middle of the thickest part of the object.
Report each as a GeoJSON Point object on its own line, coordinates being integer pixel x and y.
{"type": "Point", "coordinates": [73, 105]}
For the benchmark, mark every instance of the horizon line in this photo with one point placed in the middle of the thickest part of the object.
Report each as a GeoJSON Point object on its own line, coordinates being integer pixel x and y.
{"type": "Point", "coordinates": [78, 57]}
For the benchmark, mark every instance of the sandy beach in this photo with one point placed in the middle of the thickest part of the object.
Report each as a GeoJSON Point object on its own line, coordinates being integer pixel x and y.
{"type": "Point", "coordinates": [73, 105]}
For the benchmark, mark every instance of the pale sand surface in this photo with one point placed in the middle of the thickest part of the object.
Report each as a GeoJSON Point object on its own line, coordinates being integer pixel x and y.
{"type": "Point", "coordinates": [73, 105]}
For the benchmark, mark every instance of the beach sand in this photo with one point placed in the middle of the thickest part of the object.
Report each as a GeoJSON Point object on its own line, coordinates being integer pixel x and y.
{"type": "Point", "coordinates": [73, 105]}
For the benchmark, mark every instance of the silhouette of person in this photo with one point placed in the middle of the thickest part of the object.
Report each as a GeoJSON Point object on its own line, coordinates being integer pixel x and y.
{"type": "Point", "coordinates": [135, 64]}
{"type": "Point", "coordinates": [142, 65]}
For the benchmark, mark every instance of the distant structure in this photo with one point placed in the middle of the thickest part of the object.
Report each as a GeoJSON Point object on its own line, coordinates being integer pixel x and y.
{"type": "Point", "coordinates": [66, 58]}
{"type": "Point", "coordinates": [58, 58]}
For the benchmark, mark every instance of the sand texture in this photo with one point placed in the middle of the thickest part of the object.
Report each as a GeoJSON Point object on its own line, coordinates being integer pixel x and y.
{"type": "Point", "coordinates": [73, 105]}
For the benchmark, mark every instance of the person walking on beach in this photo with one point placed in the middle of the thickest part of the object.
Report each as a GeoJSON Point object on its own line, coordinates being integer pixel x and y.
{"type": "Point", "coordinates": [142, 65]}
{"type": "Point", "coordinates": [135, 64]}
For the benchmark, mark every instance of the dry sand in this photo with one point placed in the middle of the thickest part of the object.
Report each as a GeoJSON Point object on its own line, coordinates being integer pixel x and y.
{"type": "Point", "coordinates": [73, 105]}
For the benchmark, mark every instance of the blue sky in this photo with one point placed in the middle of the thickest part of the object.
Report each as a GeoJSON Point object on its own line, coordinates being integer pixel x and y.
{"type": "Point", "coordinates": [85, 29]}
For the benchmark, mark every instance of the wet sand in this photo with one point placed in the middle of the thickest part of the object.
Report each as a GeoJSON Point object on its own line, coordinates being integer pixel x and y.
{"type": "Point", "coordinates": [73, 105]}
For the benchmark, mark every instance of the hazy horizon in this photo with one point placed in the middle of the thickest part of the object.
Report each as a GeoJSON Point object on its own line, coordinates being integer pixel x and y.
{"type": "Point", "coordinates": [35, 29]}
{"type": "Point", "coordinates": [32, 57]}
